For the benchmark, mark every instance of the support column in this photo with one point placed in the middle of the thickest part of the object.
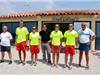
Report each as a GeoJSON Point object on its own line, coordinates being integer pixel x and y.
{"type": "Point", "coordinates": [39, 26]}
{"type": "Point", "coordinates": [39, 23]}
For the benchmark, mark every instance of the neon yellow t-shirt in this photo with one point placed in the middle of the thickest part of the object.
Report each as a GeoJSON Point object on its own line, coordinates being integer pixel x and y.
{"type": "Point", "coordinates": [21, 34]}
{"type": "Point", "coordinates": [34, 38]}
{"type": "Point", "coordinates": [70, 37]}
{"type": "Point", "coordinates": [56, 37]}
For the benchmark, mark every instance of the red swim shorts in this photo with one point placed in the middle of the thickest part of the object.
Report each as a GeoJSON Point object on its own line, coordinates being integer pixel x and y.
{"type": "Point", "coordinates": [34, 49]}
{"type": "Point", "coordinates": [69, 50]}
{"type": "Point", "coordinates": [55, 49]}
{"type": "Point", "coordinates": [21, 46]}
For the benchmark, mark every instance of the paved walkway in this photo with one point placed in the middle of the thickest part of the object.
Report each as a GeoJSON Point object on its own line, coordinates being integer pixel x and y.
{"type": "Point", "coordinates": [44, 68]}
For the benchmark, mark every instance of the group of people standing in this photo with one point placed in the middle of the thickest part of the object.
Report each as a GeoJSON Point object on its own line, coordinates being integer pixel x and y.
{"type": "Point", "coordinates": [49, 42]}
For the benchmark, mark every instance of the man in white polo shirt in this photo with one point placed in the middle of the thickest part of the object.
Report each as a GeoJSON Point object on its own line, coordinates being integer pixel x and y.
{"type": "Point", "coordinates": [5, 38]}
{"type": "Point", "coordinates": [85, 41]}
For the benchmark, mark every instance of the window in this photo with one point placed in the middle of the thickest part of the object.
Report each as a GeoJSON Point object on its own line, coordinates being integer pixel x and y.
{"type": "Point", "coordinates": [77, 25]}
{"type": "Point", "coordinates": [97, 44]}
{"type": "Point", "coordinates": [13, 25]}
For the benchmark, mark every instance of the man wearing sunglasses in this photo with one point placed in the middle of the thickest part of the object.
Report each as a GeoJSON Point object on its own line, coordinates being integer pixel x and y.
{"type": "Point", "coordinates": [70, 38]}
{"type": "Point", "coordinates": [85, 41]}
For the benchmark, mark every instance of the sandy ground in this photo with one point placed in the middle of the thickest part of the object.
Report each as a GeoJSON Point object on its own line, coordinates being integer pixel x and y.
{"type": "Point", "coordinates": [44, 68]}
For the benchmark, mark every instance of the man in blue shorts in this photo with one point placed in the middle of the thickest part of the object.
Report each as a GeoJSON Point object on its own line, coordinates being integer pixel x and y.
{"type": "Point", "coordinates": [85, 41]}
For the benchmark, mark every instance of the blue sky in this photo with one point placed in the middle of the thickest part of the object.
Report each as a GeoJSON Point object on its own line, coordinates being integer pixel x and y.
{"type": "Point", "coordinates": [15, 6]}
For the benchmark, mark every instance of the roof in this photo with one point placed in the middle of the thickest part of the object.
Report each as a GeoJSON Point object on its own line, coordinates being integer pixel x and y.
{"type": "Point", "coordinates": [53, 12]}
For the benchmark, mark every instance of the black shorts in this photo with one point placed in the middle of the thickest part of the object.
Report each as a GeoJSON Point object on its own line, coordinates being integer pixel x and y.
{"type": "Point", "coordinates": [5, 48]}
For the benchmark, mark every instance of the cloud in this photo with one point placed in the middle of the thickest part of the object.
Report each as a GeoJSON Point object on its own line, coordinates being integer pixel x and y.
{"type": "Point", "coordinates": [33, 6]}
{"type": "Point", "coordinates": [26, 0]}
{"type": "Point", "coordinates": [13, 6]}
{"type": "Point", "coordinates": [5, 7]}
{"type": "Point", "coordinates": [50, 4]}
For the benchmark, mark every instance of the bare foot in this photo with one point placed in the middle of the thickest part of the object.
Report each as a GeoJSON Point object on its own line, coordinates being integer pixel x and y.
{"type": "Point", "coordinates": [53, 65]}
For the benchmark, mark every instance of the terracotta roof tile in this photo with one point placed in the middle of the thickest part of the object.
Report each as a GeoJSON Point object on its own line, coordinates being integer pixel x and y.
{"type": "Point", "coordinates": [56, 12]}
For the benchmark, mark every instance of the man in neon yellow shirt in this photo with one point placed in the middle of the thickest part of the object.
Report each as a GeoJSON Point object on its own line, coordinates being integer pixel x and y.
{"type": "Point", "coordinates": [34, 45]}
{"type": "Point", "coordinates": [70, 37]}
{"type": "Point", "coordinates": [56, 37]}
{"type": "Point", "coordinates": [21, 40]}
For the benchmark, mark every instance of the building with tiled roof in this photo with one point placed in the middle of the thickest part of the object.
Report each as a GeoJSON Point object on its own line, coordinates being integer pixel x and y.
{"type": "Point", "coordinates": [50, 18]}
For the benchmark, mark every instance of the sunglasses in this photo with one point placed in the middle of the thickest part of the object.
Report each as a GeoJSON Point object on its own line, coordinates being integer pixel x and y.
{"type": "Point", "coordinates": [83, 25]}
{"type": "Point", "coordinates": [70, 26]}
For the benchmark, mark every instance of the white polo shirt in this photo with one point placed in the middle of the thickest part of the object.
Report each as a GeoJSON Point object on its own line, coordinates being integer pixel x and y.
{"type": "Point", "coordinates": [84, 35]}
{"type": "Point", "coordinates": [5, 38]}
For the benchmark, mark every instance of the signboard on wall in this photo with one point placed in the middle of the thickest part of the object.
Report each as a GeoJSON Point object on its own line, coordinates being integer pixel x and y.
{"type": "Point", "coordinates": [64, 19]}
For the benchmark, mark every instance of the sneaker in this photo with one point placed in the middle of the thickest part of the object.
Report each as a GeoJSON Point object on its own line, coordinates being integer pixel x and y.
{"type": "Point", "coordinates": [79, 65]}
{"type": "Point", "coordinates": [10, 62]}
{"type": "Point", "coordinates": [49, 62]}
{"type": "Point", "coordinates": [1, 61]}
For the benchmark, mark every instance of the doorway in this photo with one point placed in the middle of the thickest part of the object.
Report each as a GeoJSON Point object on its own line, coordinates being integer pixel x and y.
{"type": "Point", "coordinates": [63, 28]}
{"type": "Point", "coordinates": [97, 43]}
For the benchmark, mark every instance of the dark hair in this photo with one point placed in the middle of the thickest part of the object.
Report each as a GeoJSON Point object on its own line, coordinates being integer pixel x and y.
{"type": "Point", "coordinates": [71, 25]}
